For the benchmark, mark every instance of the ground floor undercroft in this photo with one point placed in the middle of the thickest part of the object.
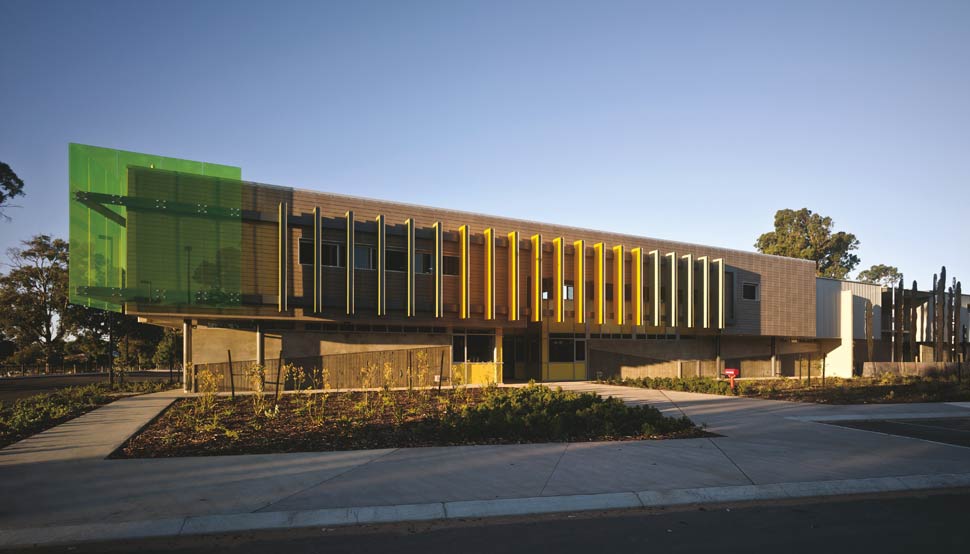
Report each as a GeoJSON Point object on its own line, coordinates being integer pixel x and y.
{"type": "Point", "coordinates": [356, 355]}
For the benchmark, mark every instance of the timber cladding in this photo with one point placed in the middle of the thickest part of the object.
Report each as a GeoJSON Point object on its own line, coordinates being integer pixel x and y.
{"type": "Point", "coordinates": [785, 303]}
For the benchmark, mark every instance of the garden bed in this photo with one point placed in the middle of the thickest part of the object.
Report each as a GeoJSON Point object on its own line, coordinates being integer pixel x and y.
{"type": "Point", "coordinates": [33, 414]}
{"type": "Point", "coordinates": [860, 390]}
{"type": "Point", "coordinates": [324, 421]}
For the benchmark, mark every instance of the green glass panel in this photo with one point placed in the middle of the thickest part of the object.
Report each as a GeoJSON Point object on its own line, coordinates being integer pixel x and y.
{"type": "Point", "coordinates": [104, 217]}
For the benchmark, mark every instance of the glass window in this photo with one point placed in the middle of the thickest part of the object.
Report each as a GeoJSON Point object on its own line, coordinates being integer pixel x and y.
{"type": "Point", "coordinates": [450, 265]}
{"type": "Point", "coordinates": [567, 290]}
{"type": "Point", "coordinates": [729, 294]}
{"type": "Point", "coordinates": [306, 251]}
{"type": "Point", "coordinates": [580, 350]}
{"type": "Point", "coordinates": [609, 291]}
{"type": "Point", "coordinates": [423, 262]}
{"type": "Point", "coordinates": [481, 348]}
{"type": "Point", "coordinates": [590, 290]}
{"type": "Point", "coordinates": [363, 257]}
{"type": "Point", "coordinates": [333, 255]}
{"type": "Point", "coordinates": [397, 260]}
{"type": "Point", "coordinates": [458, 348]}
{"type": "Point", "coordinates": [546, 288]}
{"type": "Point", "coordinates": [561, 350]}
{"type": "Point", "coordinates": [627, 292]}
{"type": "Point", "coordinates": [749, 291]}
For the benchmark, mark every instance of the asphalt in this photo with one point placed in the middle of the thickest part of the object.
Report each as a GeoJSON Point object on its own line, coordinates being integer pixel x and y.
{"type": "Point", "coordinates": [908, 523]}
{"type": "Point", "coordinates": [944, 430]}
{"type": "Point", "coordinates": [58, 487]}
{"type": "Point", "coordinates": [14, 388]}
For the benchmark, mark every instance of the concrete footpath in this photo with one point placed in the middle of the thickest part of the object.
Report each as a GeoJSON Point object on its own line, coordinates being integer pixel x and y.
{"type": "Point", "coordinates": [58, 488]}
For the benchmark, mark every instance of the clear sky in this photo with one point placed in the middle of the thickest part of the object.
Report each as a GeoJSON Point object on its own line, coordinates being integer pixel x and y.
{"type": "Point", "coordinates": [690, 121]}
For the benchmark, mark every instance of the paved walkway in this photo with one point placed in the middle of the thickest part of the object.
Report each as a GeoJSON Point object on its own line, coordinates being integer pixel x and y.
{"type": "Point", "coordinates": [60, 477]}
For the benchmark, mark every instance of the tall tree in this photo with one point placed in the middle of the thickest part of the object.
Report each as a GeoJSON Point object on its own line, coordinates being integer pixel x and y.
{"type": "Point", "coordinates": [879, 274]}
{"type": "Point", "coordinates": [34, 295]}
{"type": "Point", "coordinates": [10, 187]}
{"type": "Point", "coordinates": [809, 236]}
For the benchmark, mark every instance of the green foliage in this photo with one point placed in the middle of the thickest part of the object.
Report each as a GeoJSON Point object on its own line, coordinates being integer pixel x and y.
{"type": "Point", "coordinates": [809, 236]}
{"type": "Point", "coordinates": [536, 413]}
{"type": "Point", "coordinates": [10, 186]}
{"type": "Point", "coordinates": [34, 295]}
{"type": "Point", "coordinates": [34, 414]}
{"type": "Point", "coordinates": [879, 274]}
{"type": "Point", "coordinates": [857, 390]}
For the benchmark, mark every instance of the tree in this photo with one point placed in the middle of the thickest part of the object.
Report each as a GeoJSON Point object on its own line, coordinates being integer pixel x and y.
{"type": "Point", "coordinates": [885, 275]}
{"type": "Point", "coordinates": [10, 187]}
{"type": "Point", "coordinates": [34, 295]}
{"type": "Point", "coordinates": [168, 350]}
{"type": "Point", "coordinates": [809, 236]}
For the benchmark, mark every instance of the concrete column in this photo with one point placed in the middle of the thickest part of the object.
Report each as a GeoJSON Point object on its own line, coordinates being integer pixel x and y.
{"type": "Point", "coordinates": [680, 369]}
{"type": "Point", "coordinates": [186, 353]}
{"type": "Point", "coordinates": [774, 367]}
{"type": "Point", "coordinates": [698, 362]}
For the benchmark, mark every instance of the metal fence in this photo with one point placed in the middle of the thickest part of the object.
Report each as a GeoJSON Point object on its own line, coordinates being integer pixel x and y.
{"type": "Point", "coordinates": [412, 367]}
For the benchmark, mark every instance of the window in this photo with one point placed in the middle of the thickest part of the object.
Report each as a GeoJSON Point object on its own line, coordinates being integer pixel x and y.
{"type": "Point", "coordinates": [396, 260]}
{"type": "Point", "coordinates": [481, 348]}
{"type": "Point", "coordinates": [561, 350]}
{"type": "Point", "coordinates": [609, 291]}
{"type": "Point", "coordinates": [627, 293]}
{"type": "Point", "coordinates": [567, 290]}
{"type": "Point", "coordinates": [364, 257]}
{"type": "Point", "coordinates": [306, 251]}
{"type": "Point", "coordinates": [546, 287]}
{"type": "Point", "coordinates": [590, 290]}
{"type": "Point", "coordinates": [566, 348]}
{"type": "Point", "coordinates": [729, 294]}
{"type": "Point", "coordinates": [423, 262]}
{"type": "Point", "coordinates": [450, 265]}
{"type": "Point", "coordinates": [749, 291]}
{"type": "Point", "coordinates": [458, 348]}
{"type": "Point", "coordinates": [333, 255]}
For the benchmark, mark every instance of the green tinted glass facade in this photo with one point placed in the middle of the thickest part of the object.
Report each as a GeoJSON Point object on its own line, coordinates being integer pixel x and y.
{"type": "Point", "coordinates": [153, 230]}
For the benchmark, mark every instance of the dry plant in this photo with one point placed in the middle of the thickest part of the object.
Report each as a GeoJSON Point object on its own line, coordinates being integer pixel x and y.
{"type": "Point", "coordinates": [257, 382]}
{"type": "Point", "coordinates": [207, 386]}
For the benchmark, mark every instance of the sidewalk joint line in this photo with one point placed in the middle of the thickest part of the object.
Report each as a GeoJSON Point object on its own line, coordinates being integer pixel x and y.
{"type": "Point", "coordinates": [750, 480]}
{"type": "Point", "coordinates": [334, 476]}
{"type": "Point", "coordinates": [554, 468]}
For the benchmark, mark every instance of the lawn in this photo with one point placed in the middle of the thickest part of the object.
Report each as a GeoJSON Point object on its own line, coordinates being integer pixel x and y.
{"type": "Point", "coordinates": [883, 390]}
{"type": "Point", "coordinates": [33, 414]}
{"type": "Point", "coordinates": [324, 421]}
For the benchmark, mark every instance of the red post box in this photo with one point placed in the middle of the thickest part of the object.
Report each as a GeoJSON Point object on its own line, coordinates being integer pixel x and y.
{"type": "Point", "coordinates": [732, 373]}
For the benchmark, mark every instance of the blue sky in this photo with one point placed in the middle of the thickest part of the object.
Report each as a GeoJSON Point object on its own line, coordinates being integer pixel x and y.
{"type": "Point", "coordinates": [692, 121]}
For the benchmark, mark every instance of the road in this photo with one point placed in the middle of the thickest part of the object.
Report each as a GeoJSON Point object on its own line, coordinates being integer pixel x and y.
{"type": "Point", "coordinates": [12, 388]}
{"type": "Point", "coordinates": [916, 522]}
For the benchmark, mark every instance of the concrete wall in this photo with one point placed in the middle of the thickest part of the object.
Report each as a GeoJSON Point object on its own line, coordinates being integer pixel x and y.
{"type": "Point", "coordinates": [839, 362]}
{"type": "Point", "coordinates": [209, 345]}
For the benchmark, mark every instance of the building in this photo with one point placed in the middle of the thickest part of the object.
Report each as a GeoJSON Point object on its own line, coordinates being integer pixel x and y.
{"type": "Point", "coordinates": [378, 291]}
